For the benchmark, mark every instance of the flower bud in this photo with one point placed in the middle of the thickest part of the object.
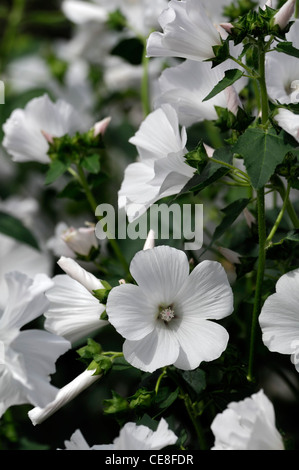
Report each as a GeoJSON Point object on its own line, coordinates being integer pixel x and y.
{"type": "Point", "coordinates": [284, 14]}
{"type": "Point", "coordinates": [76, 272]}
{"type": "Point", "coordinates": [101, 126]}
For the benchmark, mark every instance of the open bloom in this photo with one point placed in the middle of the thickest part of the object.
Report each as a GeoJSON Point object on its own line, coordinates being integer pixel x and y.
{"type": "Point", "coordinates": [282, 72]}
{"type": "Point", "coordinates": [247, 425]}
{"type": "Point", "coordinates": [186, 85]}
{"type": "Point", "coordinates": [166, 318]}
{"type": "Point", "coordinates": [131, 437]}
{"type": "Point", "coordinates": [73, 311]}
{"type": "Point", "coordinates": [279, 317]}
{"type": "Point", "coordinates": [140, 14]}
{"type": "Point", "coordinates": [23, 130]}
{"type": "Point", "coordinates": [28, 356]}
{"type": "Point", "coordinates": [288, 121]}
{"type": "Point", "coordinates": [188, 32]}
{"type": "Point", "coordinates": [161, 170]}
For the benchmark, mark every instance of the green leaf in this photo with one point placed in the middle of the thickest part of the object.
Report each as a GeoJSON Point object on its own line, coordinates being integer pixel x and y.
{"type": "Point", "coordinates": [14, 228]}
{"type": "Point", "coordinates": [287, 48]}
{"type": "Point", "coordinates": [230, 77]}
{"type": "Point", "coordinates": [196, 379]}
{"type": "Point", "coordinates": [293, 236]}
{"type": "Point", "coordinates": [231, 212]}
{"type": "Point", "coordinates": [141, 399]}
{"type": "Point", "coordinates": [211, 173]}
{"type": "Point", "coordinates": [92, 163]}
{"type": "Point", "coordinates": [262, 151]}
{"type": "Point", "coordinates": [57, 169]}
{"type": "Point", "coordinates": [165, 397]}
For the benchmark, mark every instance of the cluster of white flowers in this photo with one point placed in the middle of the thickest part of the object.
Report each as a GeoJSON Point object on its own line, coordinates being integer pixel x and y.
{"type": "Point", "coordinates": [169, 314]}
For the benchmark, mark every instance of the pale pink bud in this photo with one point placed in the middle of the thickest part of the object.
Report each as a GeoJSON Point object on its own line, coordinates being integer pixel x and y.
{"type": "Point", "coordinates": [76, 272]}
{"type": "Point", "coordinates": [150, 241]}
{"type": "Point", "coordinates": [227, 27]}
{"type": "Point", "coordinates": [101, 126]}
{"type": "Point", "coordinates": [232, 99]}
{"type": "Point", "coordinates": [210, 151]}
{"type": "Point", "coordinates": [267, 4]}
{"type": "Point", "coordinates": [232, 256]}
{"type": "Point", "coordinates": [48, 137]}
{"type": "Point", "coordinates": [80, 240]}
{"type": "Point", "coordinates": [250, 219]}
{"type": "Point", "coordinates": [284, 14]}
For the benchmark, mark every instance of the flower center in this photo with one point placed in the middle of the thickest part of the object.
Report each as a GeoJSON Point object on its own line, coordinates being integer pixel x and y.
{"type": "Point", "coordinates": [167, 314]}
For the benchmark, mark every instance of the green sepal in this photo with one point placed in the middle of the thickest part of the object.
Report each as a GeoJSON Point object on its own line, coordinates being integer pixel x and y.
{"type": "Point", "coordinates": [101, 364]}
{"type": "Point", "coordinates": [197, 158]}
{"type": "Point", "coordinates": [88, 352]}
{"type": "Point", "coordinates": [102, 294]}
{"type": "Point", "coordinates": [142, 399]}
{"type": "Point", "coordinates": [115, 405]}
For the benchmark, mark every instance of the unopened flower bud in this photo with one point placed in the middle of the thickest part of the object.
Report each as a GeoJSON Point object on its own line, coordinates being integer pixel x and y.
{"type": "Point", "coordinates": [75, 271]}
{"type": "Point", "coordinates": [101, 126]}
{"type": "Point", "coordinates": [150, 241]}
{"type": "Point", "coordinates": [227, 27]}
{"type": "Point", "coordinates": [232, 99]}
{"type": "Point", "coordinates": [48, 137]}
{"type": "Point", "coordinates": [284, 14]}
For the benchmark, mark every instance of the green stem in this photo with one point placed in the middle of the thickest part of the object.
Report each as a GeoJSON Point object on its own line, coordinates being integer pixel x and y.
{"type": "Point", "coordinates": [192, 415]}
{"type": "Point", "coordinates": [260, 277]}
{"type": "Point", "coordinates": [160, 379]}
{"type": "Point", "coordinates": [289, 207]}
{"type": "Point", "coordinates": [10, 33]}
{"type": "Point", "coordinates": [279, 217]}
{"type": "Point", "coordinates": [145, 83]}
{"type": "Point", "coordinates": [236, 170]}
{"type": "Point", "coordinates": [93, 204]}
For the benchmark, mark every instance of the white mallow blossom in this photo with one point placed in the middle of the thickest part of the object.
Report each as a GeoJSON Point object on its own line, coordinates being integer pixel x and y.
{"type": "Point", "coordinates": [282, 72]}
{"type": "Point", "coordinates": [279, 318]}
{"type": "Point", "coordinates": [80, 240]}
{"type": "Point", "coordinates": [27, 357]}
{"type": "Point", "coordinates": [141, 15]}
{"type": "Point", "coordinates": [168, 317]}
{"type": "Point", "coordinates": [131, 437]}
{"type": "Point", "coordinates": [247, 425]}
{"type": "Point", "coordinates": [73, 311]}
{"type": "Point", "coordinates": [161, 170]}
{"type": "Point", "coordinates": [186, 85]}
{"type": "Point", "coordinates": [288, 121]}
{"type": "Point", "coordinates": [23, 130]}
{"type": "Point", "coordinates": [188, 32]}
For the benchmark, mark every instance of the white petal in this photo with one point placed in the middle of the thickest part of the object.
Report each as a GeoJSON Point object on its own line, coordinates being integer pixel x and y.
{"type": "Point", "coordinates": [207, 293]}
{"type": "Point", "coordinates": [279, 315]}
{"type": "Point", "coordinates": [83, 12]}
{"type": "Point", "coordinates": [40, 351]}
{"type": "Point", "coordinates": [160, 273]}
{"type": "Point", "coordinates": [27, 299]}
{"type": "Point", "coordinates": [140, 437]}
{"type": "Point", "coordinates": [289, 122]}
{"type": "Point", "coordinates": [130, 312]}
{"type": "Point", "coordinates": [73, 312]}
{"type": "Point", "coordinates": [200, 340]}
{"type": "Point", "coordinates": [76, 442]}
{"type": "Point", "coordinates": [158, 349]}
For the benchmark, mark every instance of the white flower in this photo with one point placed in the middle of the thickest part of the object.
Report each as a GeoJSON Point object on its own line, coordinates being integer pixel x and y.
{"type": "Point", "coordinates": [29, 356]}
{"type": "Point", "coordinates": [56, 243]}
{"type": "Point", "coordinates": [247, 425]}
{"type": "Point", "coordinates": [288, 121]}
{"type": "Point", "coordinates": [73, 312]}
{"type": "Point", "coordinates": [76, 272]}
{"type": "Point", "coordinates": [188, 32]}
{"type": "Point", "coordinates": [23, 138]}
{"type": "Point", "coordinates": [63, 396]}
{"type": "Point", "coordinates": [166, 317]}
{"type": "Point", "coordinates": [161, 170]}
{"type": "Point", "coordinates": [279, 319]}
{"type": "Point", "coordinates": [131, 437]}
{"type": "Point", "coordinates": [186, 85]}
{"type": "Point", "coordinates": [282, 72]}
{"type": "Point", "coordinates": [80, 240]}
{"type": "Point", "coordinates": [16, 256]}
{"type": "Point", "coordinates": [140, 14]}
